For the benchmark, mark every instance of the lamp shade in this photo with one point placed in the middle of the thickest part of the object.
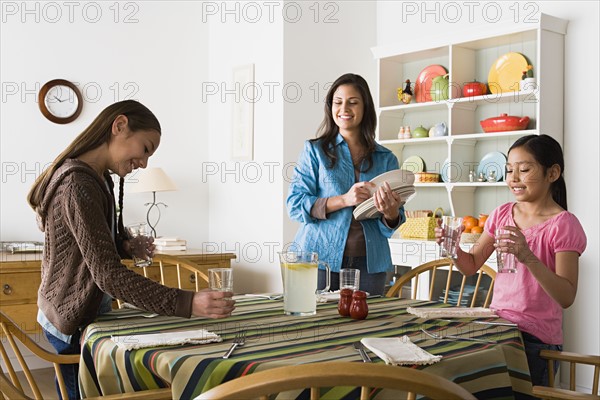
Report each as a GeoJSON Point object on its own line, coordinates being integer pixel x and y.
{"type": "Point", "coordinates": [152, 180]}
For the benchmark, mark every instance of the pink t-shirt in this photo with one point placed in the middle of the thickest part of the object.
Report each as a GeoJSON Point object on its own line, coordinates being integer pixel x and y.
{"type": "Point", "coordinates": [519, 297]}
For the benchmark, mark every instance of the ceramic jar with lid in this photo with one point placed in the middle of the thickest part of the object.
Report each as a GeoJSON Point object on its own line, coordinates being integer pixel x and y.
{"type": "Point", "coordinates": [344, 302]}
{"type": "Point", "coordinates": [420, 132]}
{"type": "Point", "coordinates": [359, 308]}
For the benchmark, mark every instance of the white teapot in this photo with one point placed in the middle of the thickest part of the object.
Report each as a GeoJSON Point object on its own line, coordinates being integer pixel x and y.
{"type": "Point", "coordinates": [438, 130]}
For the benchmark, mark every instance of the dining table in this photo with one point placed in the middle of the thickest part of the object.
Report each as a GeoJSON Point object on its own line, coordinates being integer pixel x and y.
{"type": "Point", "coordinates": [493, 366]}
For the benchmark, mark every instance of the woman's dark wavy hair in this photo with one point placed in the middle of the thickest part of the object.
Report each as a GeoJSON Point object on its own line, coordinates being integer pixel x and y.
{"type": "Point", "coordinates": [547, 152]}
{"type": "Point", "coordinates": [139, 117]}
{"type": "Point", "coordinates": [328, 130]}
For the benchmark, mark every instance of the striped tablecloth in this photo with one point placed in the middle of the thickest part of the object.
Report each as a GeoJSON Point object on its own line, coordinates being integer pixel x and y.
{"type": "Point", "coordinates": [273, 339]}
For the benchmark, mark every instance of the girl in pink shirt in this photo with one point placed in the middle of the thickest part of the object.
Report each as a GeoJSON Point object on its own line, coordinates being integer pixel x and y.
{"type": "Point", "coordinates": [546, 241]}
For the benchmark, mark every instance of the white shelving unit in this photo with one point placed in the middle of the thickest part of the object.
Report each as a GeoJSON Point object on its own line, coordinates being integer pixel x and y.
{"type": "Point", "coordinates": [467, 57]}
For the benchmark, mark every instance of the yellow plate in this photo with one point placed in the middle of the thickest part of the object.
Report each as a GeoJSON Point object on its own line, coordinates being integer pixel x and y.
{"type": "Point", "coordinates": [506, 72]}
{"type": "Point", "coordinates": [413, 164]}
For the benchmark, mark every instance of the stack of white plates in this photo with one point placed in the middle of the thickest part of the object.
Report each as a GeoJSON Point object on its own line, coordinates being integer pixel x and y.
{"type": "Point", "coordinates": [400, 181]}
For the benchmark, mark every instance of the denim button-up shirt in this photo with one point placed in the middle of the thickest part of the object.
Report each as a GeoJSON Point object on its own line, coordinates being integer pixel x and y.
{"type": "Point", "coordinates": [312, 180]}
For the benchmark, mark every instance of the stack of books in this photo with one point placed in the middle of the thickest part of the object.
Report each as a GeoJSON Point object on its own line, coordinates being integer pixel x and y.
{"type": "Point", "coordinates": [164, 243]}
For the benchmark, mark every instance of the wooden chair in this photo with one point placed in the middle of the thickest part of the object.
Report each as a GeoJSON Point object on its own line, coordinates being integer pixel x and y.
{"type": "Point", "coordinates": [432, 267]}
{"type": "Point", "coordinates": [573, 359]}
{"type": "Point", "coordinates": [13, 334]}
{"type": "Point", "coordinates": [11, 392]}
{"type": "Point", "coordinates": [12, 388]}
{"type": "Point", "coordinates": [331, 374]}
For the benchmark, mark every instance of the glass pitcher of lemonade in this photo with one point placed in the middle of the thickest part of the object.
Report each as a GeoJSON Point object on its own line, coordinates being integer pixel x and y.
{"type": "Point", "coordinates": [299, 272]}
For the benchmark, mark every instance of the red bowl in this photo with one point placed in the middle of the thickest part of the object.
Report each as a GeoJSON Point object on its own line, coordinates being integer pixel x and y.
{"type": "Point", "coordinates": [504, 123]}
{"type": "Point", "coordinates": [471, 89]}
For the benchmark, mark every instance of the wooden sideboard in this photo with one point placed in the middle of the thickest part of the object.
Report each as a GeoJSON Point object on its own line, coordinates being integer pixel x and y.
{"type": "Point", "coordinates": [20, 279]}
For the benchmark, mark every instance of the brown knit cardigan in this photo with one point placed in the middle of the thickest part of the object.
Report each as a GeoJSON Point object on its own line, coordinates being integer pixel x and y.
{"type": "Point", "coordinates": [80, 260]}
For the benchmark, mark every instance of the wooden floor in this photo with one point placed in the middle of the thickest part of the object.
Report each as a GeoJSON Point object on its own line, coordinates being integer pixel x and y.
{"type": "Point", "coordinates": [45, 381]}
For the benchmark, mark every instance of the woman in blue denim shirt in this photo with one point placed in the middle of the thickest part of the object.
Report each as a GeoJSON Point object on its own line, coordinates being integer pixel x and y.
{"type": "Point", "coordinates": [332, 177]}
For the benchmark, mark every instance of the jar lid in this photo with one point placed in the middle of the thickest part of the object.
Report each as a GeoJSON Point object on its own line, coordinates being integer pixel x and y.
{"type": "Point", "coordinates": [359, 294]}
{"type": "Point", "coordinates": [346, 292]}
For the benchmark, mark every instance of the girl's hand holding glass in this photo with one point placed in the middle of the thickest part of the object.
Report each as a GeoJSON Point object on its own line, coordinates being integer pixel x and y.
{"type": "Point", "coordinates": [439, 232]}
{"type": "Point", "coordinates": [141, 245]}
{"type": "Point", "coordinates": [142, 250]}
{"type": "Point", "coordinates": [212, 304]}
{"type": "Point", "coordinates": [511, 240]}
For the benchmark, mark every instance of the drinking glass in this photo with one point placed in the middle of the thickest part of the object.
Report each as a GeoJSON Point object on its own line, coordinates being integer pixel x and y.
{"type": "Point", "coordinates": [505, 261]}
{"type": "Point", "coordinates": [349, 278]}
{"type": "Point", "coordinates": [220, 279]}
{"type": "Point", "coordinates": [451, 238]}
{"type": "Point", "coordinates": [140, 239]}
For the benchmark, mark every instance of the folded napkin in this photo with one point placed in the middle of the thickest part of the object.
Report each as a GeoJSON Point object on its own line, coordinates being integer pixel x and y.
{"type": "Point", "coordinates": [326, 297]}
{"type": "Point", "coordinates": [451, 312]}
{"type": "Point", "coordinates": [200, 336]}
{"type": "Point", "coordinates": [399, 351]}
{"type": "Point", "coordinates": [130, 306]}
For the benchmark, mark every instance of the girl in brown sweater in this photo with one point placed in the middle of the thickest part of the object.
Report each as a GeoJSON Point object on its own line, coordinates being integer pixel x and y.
{"type": "Point", "coordinates": [84, 239]}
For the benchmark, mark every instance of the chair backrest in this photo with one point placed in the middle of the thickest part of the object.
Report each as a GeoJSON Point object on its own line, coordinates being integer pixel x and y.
{"type": "Point", "coordinates": [189, 275]}
{"type": "Point", "coordinates": [10, 391]}
{"type": "Point", "coordinates": [550, 392]}
{"type": "Point", "coordinates": [8, 386]}
{"type": "Point", "coordinates": [331, 374]}
{"type": "Point", "coordinates": [182, 268]}
{"type": "Point", "coordinates": [181, 265]}
{"type": "Point", "coordinates": [448, 264]}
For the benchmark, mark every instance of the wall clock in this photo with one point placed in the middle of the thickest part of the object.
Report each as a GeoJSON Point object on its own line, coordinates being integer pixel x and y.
{"type": "Point", "coordinates": [60, 101]}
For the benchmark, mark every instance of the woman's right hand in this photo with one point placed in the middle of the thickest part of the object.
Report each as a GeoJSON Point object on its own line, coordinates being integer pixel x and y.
{"type": "Point", "coordinates": [212, 304]}
{"type": "Point", "coordinates": [358, 193]}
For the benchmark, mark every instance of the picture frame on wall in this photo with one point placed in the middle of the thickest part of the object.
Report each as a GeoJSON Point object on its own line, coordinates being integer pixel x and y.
{"type": "Point", "coordinates": [242, 140]}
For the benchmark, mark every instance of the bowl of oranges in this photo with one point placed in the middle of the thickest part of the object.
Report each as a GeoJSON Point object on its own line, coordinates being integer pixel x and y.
{"type": "Point", "coordinates": [473, 228]}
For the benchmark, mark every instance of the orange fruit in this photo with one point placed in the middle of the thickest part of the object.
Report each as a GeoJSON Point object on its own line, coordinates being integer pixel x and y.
{"type": "Point", "coordinates": [469, 222]}
{"type": "Point", "coordinates": [465, 219]}
{"type": "Point", "coordinates": [467, 230]}
{"type": "Point", "coordinates": [477, 229]}
{"type": "Point", "coordinates": [482, 219]}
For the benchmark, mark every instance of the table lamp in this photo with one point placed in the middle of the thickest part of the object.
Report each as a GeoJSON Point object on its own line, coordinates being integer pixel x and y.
{"type": "Point", "coordinates": [153, 180]}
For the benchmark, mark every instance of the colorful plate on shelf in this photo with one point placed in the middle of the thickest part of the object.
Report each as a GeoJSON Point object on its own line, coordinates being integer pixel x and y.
{"type": "Point", "coordinates": [506, 72]}
{"type": "Point", "coordinates": [414, 164]}
{"type": "Point", "coordinates": [494, 161]}
{"type": "Point", "coordinates": [423, 83]}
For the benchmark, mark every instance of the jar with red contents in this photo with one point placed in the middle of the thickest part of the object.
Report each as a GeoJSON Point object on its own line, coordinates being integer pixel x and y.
{"type": "Point", "coordinates": [345, 301]}
{"type": "Point", "coordinates": [359, 308]}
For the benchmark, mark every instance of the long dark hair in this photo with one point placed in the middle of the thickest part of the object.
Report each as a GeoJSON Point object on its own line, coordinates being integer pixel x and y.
{"type": "Point", "coordinates": [547, 152]}
{"type": "Point", "coordinates": [328, 130]}
{"type": "Point", "coordinates": [97, 133]}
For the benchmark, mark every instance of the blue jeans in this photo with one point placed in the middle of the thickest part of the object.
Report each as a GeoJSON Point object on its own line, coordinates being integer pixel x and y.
{"type": "Point", "coordinates": [374, 284]}
{"type": "Point", "coordinates": [70, 372]}
{"type": "Point", "coordinates": [538, 367]}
